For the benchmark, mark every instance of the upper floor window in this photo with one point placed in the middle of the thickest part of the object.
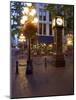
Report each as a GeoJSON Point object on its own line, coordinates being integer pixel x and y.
{"type": "Point", "coordinates": [40, 28]}
{"type": "Point", "coordinates": [42, 14]}
{"type": "Point", "coordinates": [50, 29]}
{"type": "Point", "coordinates": [44, 29]}
{"type": "Point", "coordinates": [50, 17]}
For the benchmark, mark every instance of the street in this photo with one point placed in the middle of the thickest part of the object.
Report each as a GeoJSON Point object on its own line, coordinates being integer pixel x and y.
{"type": "Point", "coordinates": [46, 80]}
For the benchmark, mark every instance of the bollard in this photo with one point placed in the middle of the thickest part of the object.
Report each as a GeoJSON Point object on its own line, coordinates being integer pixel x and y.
{"type": "Point", "coordinates": [16, 67]}
{"type": "Point", "coordinates": [45, 63]}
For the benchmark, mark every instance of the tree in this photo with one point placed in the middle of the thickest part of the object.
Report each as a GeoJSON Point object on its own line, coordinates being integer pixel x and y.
{"type": "Point", "coordinates": [65, 10]}
{"type": "Point", "coordinates": [29, 29]}
{"type": "Point", "coordinates": [15, 16]}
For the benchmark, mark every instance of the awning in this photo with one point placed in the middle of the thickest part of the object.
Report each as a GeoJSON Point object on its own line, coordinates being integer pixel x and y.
{"type": "Point", "coordinates": [45, 39]}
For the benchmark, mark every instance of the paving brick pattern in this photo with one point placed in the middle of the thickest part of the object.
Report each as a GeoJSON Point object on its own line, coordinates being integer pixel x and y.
{"type": "Point", "coordinates": [46, 80]}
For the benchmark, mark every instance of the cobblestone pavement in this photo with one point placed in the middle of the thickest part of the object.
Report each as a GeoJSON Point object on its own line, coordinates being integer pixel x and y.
{"type": "Point", "coordinates": [45, 80]}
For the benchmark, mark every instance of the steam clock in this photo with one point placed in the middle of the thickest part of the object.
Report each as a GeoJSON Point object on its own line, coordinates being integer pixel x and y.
{"type": "Point", "coordinates": [58, 27]}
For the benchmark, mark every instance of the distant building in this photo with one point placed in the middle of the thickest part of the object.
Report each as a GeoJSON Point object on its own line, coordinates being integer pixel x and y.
{"type": "Point", "coordinates": [44, 24]}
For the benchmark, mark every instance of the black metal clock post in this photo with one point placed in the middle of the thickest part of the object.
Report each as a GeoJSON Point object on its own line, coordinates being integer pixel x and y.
{"type": "Point", "coordinates": [60, 61]}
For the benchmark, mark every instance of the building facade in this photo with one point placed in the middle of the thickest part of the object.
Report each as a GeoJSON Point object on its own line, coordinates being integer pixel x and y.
{"type": "Point", "coordinates": [44, 23]}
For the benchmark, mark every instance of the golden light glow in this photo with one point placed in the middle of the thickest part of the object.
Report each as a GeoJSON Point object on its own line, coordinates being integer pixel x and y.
{"type": "Point", "coordinates": [59, 21]}
{"type": "Point", "coordinates": [34, 46]}
{"type": "Point", "coordinates": [25, 10]}
{"type": "Point", "coordinates": [22, 38]}
{"type": "Point", "coordinates": [44, 44]}
{"type": "Point", "coordinates": [69, 40]}
{"type": "Point", "coordinates": [50, 45]}
{"type": "Point", "coordinates": [24, 18]}
{"type": "Point", "coordinates": [29, 4]}
{"type": "Point", "coordinates": [35, 20]}
{"type": "Point", "coordinates": [22, 21]}
{"type": "Point", "coordinates": [33, 12]}
{"type": "Point", "coordinates": [69, 43]}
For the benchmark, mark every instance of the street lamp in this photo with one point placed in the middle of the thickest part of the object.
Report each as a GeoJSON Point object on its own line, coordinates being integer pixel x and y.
{"type": "Point", "coordinates": [29, 14]}
{"type": "Point", "coordinates": [24, 18]}
{"type": "Point", "coordinates": [22, 40]}
{"type": "Point", "coordinates": [28, 21]}
{"type": "Point", "coordinates": [33, 12]}
{"type": "Point", "coordinates": [35, 20]}
{"type": "Point", "coordinates": [25, 10]}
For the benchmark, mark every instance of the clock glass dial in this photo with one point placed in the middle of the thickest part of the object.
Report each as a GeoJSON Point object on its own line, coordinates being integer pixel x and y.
{"type": "Point", "coordinates": [59, 21]}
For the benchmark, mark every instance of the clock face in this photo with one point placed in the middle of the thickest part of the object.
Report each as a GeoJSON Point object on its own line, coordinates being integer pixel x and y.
{"type": "Point", "coordinates": [59, 21]}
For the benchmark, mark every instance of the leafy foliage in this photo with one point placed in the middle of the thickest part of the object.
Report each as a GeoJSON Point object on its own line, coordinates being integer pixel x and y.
{"type": "Point", "coordinates": [15, 31]}
{"type": "Point", "coordinates": [15, 9]}
{"type": "Point", "coordinates": [29, 30]}
{"type": "Point", "coordinates": [65, 10]}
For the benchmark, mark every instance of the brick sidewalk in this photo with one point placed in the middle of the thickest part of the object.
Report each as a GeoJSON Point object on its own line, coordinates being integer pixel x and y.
{"type": "Point", "coordinates": [45, 80]}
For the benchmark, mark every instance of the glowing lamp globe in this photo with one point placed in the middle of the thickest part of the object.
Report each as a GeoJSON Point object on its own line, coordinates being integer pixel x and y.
{"type": "Point", "coordinates": [24, 18]}
{"type": "Point", "coordinates": [33, 12]}
{"type": "Point", "coordinates": [29, 4]}
{"type": "Point", "coordinates": [25, 10]}
{"type": "Point", "coordinates": [35, 20]}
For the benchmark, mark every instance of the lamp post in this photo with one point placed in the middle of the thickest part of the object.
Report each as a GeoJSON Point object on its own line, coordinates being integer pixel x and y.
{"type": "Point", "coordinates": [29, 22]}
{"type": "Point", "coordinates": [22, 39]}
{"type": "Point", "coordinates": [58, 26]}
{"type": "Point", "coordinates": [29, 14]}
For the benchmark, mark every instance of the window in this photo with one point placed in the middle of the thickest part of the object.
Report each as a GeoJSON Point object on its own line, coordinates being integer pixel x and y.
{"type": "Point", "coordinates": [50, 29]}
{"type": "Point", "coordinates": [42, 14]}
{"type": "Point", "coordinates": [44, 18]}
{"type": "Point", "coordinates": [44, 28]}
{"type": "Point", "coordinates": [41, 4]}
{"type": "Point", "coordinates": [50, 17]}
{"type": "Point", "coordinates": [40, 17]}
{"type": "Point", "coordinates": [40, 28]}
